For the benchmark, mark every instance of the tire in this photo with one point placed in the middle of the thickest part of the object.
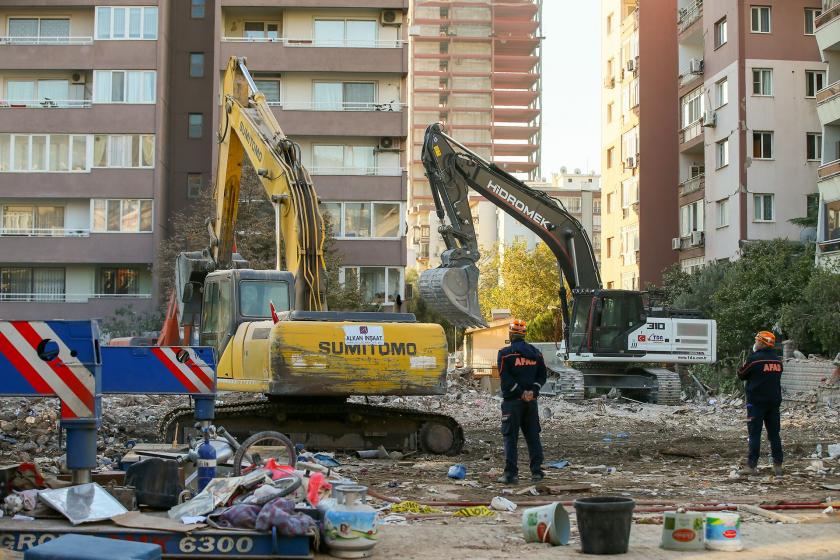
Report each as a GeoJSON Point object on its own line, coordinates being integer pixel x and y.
{"type": "Point", "coordinates": [245, 445]}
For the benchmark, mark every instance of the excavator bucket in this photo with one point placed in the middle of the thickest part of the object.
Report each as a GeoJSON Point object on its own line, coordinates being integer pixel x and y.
{"type": "Point", "coordinates": [453, 292]}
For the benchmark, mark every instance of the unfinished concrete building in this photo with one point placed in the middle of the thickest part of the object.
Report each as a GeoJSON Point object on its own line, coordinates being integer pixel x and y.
{"type": "Point", "coordinates": [475, 66]}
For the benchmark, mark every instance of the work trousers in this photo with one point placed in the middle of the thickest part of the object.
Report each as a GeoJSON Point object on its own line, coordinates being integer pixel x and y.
{"type": "Point", "coordinates": [766, 415]}
{"type": "Point", "coordinates": [518, 414]}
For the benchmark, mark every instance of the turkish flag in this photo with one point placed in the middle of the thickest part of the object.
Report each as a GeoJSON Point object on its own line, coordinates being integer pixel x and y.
{"type": "Point", "coordinates": [274, 316]}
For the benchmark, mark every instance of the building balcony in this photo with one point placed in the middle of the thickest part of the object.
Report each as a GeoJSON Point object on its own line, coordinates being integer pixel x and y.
{"type": "Point", "coordinates": [691, 137]}
{"type": "Point", "coordinates": [693, 184]}
{"type": "Point", "coordinates": [828, 104]}
{"type": "Point", "coordinates": [379, 4]}
{"type": "Point", "coordinates": [82, 117]}
{"type": "Point", "coordinates": [71, 306]}
{"type": "Point", "coordinates": [305, 55]}
{"type": "Point", "coordinates": [352, 187]}
{"type": "Point", "coordinates": [830, 170]}
{"type": "Point", "coordinates": [44, 232]}
{"type": "Point", "coordinates": [688, 15]}
{"type": "Point", "coordinates": [96, 248]}
{"type": "Point", "coordinates": [98, 55]}
{"type": "Point", "coordinates": [827, 26]}
{"type": "Point", "coordinates": [46, 40]}
{"type": "Point", "coordinates": [301, 122]}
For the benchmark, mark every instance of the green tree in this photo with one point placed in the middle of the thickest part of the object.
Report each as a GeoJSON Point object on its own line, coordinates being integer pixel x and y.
{"type": "Point", "coordinates": [126, 321]}
{"type": "Point", "coordinates": [813, 322]}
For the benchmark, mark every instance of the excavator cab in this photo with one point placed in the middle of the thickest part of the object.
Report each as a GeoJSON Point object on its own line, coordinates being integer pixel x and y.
{"type": "Point", "coordinates": [602, 319]}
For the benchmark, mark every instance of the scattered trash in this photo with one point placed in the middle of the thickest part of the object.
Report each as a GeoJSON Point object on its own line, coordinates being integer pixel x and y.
{"type": "Point", "coordinates": [723, 531]}
{"type": "Point", "coordinates": [834, 450]}
{"type": "Point", "coordinates": [829, 509]}
{"type": "Point", "coordinates": [546, 524]}
{"type": "Point", "coordinates": [137, 520]}
{"type": "Point", "coordinates": [604, 524]}
{"type": "Point", "coordinates": [682, 530]}
{"type": "Point", "coordinates": [412, 507]}
{"type": "Point", "coordinates": [502, 504]}
{"type": "Point", "coordinates": [457, 471]}
{"type": "Point", "coordinates": [83, 503]}
{"type": "Point", "coordinates": [559, 464]}
{"type": "Point", "coordinates": [623, 435]}
{"type": "Point", "coordinates": [393, 520]}
{"type": "Point", "coordinates": [474, 511]}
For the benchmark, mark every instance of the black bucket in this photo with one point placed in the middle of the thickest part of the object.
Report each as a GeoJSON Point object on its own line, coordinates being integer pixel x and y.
{"type": "Point", "coordinates": [604, 524]}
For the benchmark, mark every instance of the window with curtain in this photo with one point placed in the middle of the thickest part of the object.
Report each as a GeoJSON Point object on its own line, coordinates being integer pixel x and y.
{"type": "Point", "coordinates": [39, 30]}
{"type": "Point", "coordinates": [126, 23]}
{"type": "Point", "coordinates": [328, 96]}
{"type": "Point", "coordinates": [361, 33]}
{"type": "Point", "coordinates": [329, 33]}
{"type": "Point", "coordinates": [377, 284]}
{"type": "Point", "coordinates": [372, 283]}
{"type": "Point", "coordinates": [123, 150]}
{"type": "Point", "coordinates": [124, 86]}
{"type": "Point", "coordinates": [122, 215]}
{"type": "Point", "coordinates": [43, 152]}
{"type": "Point", "coordinates": [332, 211]}
{"type": "Point", "coordinates": [345, 33]}
{"type": "Point", "coordinates": [328, 159]}
{"type": "Point", "coordinates": [270, 88]}
{"type": "Point", "coordinates": [386, 219]}
{"type": "Point", "coordinates": [118, 281]}
{"type": "Point", "coordinates": [356, 219]}
{"type": "Point", "coordinates": [32, 284]}
{"type": "Point", "coordinates": [33, 220]}
{"type": "Point", "coordinates": [359, 96]}
{"type": "Point", "coordinates": [20, 91]}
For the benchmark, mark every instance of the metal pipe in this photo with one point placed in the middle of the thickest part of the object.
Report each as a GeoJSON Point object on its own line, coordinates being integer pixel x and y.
{"type": "Point", "coordinates": [81, 476]}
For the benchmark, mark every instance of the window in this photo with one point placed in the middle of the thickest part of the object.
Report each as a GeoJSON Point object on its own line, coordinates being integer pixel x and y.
{"type": "Point", "coordinates": [762, 81]}
{"type": "Point", "coordinates": [377, 284]}
{"type": "Point", "coordinates": [629, 244]}
{"type": "Point", "coordinates": [691, 218]}
{"type": "Point", "coordinates": [121, 215]}
{"type": "Point", "coordinates": [814, 82]}
{"type": "Point", "coordinates": [31, 284]}
{"type": "Point", "coordinates": [722, 207]}
{"type": "Point", "coordinates": [341, 160]}
{"type": "Point", "coordinates": [609, 24]}
{"type": "Point", "coordinates": [630, 145]}
{"type": "Point", "coordinates": [721, 93]}
{"type": "Point", "coordinates": [344, 96]}
{"type": "Point", "coordinates": [261, 30]}
{"type": "Point", "coordinates": [760, 19]}
{"type": "Point", "coordinates": [124, 150]}
{"type": "Point", "coordinates": [118, 281]}
{"type": "Point", "coordinates": [813, 146]}
{"type": "Point", "coordinates": [345, 33]}
{"type": "Point", "coordinates": [811, 14]}
{"type": "Point", "coordinates": [196, 65]}
{"type": "Point", "coordinates": [197, 9]}
{"type": "Point", "coordinates": [194, 184]}
{"type": "Point", "coordinates": [124, 86]}
{"type": "Point", "coordinates": [692, 107]}
{"type": "Point", "coordinates": [596, 207]}
{"type": "Point", "coordinates": [33, 220]}
{"type": "Point", "coordinates": [832, 220]}
{"type": "Point", "coordinates": [609, 247]}
{"type": "Point", "coordinates": [270, 88]}
{"type": "Point", "coordinates": [691, 265]}
{"type": "Point", "coordinates": [629, 192]}
{"type": "Point", "coordinates": [121, 23]}
{"type": "Point", "coordinates": [610, 152]}
{"type": "Point", "coordinates": [40, 93]}
{"type": "Point", "coordinates": [610, 112]}
{"type": "Point", "coordinates": [720, 33]}
{"type": "Point", "coordinates": [43, 152]}
{"type": "Point", "coordinates": [812, 206]}
{"type": "Point", "coordinates": [722, 153]}
{"type": "Point", "coordinates": [356, 220]}
{"type": "Point", "coordinates": [33, 30]}
{"type": "Point", "coordinates": [257, 296]}
{"type": "Point", "coordinates": [762, 145]}
{"type": "Point", "coordinates": [610, 207]}
{"type": "Point", "coordinates": [763, 208]}
{"type": "Point", "coordinates": [195, 126]}
{"type": "Point", "coordinates": [571, 203]}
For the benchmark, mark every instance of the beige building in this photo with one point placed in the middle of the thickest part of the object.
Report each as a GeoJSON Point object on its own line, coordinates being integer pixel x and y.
{"type": "Point", "coordinates": [475, 66]}
{"type": "Point", "coordinates": [638, 180]}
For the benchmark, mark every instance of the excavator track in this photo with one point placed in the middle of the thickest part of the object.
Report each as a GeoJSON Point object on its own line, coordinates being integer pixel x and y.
{"type": "Point", "coordinates": [328, 425]}
{"type": "Point", "coordinates": [571, 384]}
{"type": "Point", "coordinates": [669, 387]}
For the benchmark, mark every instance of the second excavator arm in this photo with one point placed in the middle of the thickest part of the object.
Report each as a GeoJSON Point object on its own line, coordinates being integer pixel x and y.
{"type": "Point", "coordinates": [453, 170]}
{"type": "Point", "coordinates": [248, 128]}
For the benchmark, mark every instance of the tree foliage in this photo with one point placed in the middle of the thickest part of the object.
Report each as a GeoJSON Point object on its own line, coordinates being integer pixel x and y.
{"type": "Point", "coordinates": [815, 318]}
{"type": "Point", "coordinates": [126, 321]}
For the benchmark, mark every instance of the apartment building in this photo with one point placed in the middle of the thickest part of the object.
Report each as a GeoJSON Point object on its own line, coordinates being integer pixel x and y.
{"type": "Point", "coordinates": [111, 110]}
{"type": "Point", "coordinates": [639, 168]}
{"type": "Point", "coordinates": [83, 156]}
{"type": "Point", "coordinates": [749, 142]}
{"type": "Point", "coordinates": [827, 30]}
{"type": "Point", "coordinates": [476, 67]}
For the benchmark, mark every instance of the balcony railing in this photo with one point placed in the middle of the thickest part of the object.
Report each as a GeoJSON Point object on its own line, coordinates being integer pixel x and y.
{"type": "Point", "coordinates": [689, 77]}
{"type": "Point", "coordinates": [346, 43]}
{"type": "Point", "coordinates": [65, 298]}
{"type": "Point", "coordinates": [689, 15]}
{"type": "Point", "coordinates": [830, 11]}
{"type": "Point", "coordinates": [829, 169]}
{"type": "Point", "coordinates": [691, 131]}
{"type": "Point", "coordinates": [373, 171]}
{"type": "Point", "coordinates": [45, 103]}
{"type": "Point", "coordinates": [46, 40]}
{"type": "Point", "coordinates": [44, 232]}
{"type": "Point", "coordinates": [693, 184]}
{"type": "Point", "coordinates": [391, 106]}
{"type": "Point", "coordinates": [828, 92]}
{"type": "Point", "coordinates": [829, 246]}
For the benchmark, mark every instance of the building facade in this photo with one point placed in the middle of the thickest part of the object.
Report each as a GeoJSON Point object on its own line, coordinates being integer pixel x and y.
{"type": "Point", "coordinates": [639, 159]}
{"type": "Point", "coordinates": [110, 109]}
{"type": "Point", "coordinates": [750, 142]}
{"type": "Point", "coordinates": [475, 66]}
{"type": "Point", "coordinates": [827, 26]}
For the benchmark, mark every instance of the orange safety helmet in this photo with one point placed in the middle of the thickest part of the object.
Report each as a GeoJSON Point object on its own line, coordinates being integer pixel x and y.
{"type": "Point", "coordinates": [766, 337]}
{"type": "Point", "coordinates": [518, 327]}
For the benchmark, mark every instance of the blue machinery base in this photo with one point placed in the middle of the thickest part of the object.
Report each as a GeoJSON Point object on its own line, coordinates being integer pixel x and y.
{"type": "Point", "coordinates": [207, 543]}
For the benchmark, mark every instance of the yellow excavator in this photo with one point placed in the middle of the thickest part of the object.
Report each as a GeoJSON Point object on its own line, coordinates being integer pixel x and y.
{"type": "Point", "coordinates": [307, 361]}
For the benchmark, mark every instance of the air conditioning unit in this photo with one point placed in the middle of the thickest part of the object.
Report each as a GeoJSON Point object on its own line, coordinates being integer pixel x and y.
{"type": "Point", "coordinates": [388, 143]}
{"type": "Point", "coordinates": [696, 238]}
{"type": "Point", "coordinates": [78, 78]}
{"type": "Point", "coordinates": [630, 162]}
{"type": "Point", "coordinates": [391, 17]}
{"type": "Point", "coordinates": [710, 120]}
{"type": "Point", "coordinates": [695, 66]}
{"type": "Point", "coordinates": [676, 243]}
{"type": "Point", "coordinates": [631, 65]}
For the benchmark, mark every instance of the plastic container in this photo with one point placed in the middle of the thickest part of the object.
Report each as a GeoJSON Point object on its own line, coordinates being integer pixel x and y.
{"type": "Point", "coordinates": [683, 530]}
{"type": "Point", "coordinates": [604, 524]}
{"type": "Point", "coordinates": [546, 524]}
{"type": "Point", "coordinates": [84, 547]}
{"type": "Point", "coordinates": [723, 531]}
{"type": "Point", "coordinates": [156, 481]}
{"type": "Point", "coordinates": [350, 525]}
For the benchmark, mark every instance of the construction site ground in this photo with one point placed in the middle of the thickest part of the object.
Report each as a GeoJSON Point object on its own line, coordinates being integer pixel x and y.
{"type": "Point", "coordinates": [686, 454]}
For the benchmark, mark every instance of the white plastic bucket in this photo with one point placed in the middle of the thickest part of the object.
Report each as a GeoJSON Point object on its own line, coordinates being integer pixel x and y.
{"type": "Point", "coordinates": [546, 524]}
{"type": "Point", "coordinates": [683, 530]}
{"type": "Point", "coordinates": [723, 531]}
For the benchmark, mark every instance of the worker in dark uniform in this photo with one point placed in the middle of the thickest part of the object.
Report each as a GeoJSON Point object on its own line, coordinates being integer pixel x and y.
{"type": "Point", "coordinates": [763, 373]}
{"type": "Point", "coordinates": [522, 372]}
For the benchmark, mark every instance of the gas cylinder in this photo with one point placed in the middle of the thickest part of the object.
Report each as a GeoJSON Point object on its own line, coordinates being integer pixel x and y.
{"type": "Point", "coordinates": [206, 463]}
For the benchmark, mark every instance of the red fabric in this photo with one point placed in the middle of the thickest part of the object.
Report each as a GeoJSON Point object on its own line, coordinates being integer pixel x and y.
{"type": "Point", "coordinates": [274, 316]}
{"type": "Point", "coordinates": [170, 335]}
